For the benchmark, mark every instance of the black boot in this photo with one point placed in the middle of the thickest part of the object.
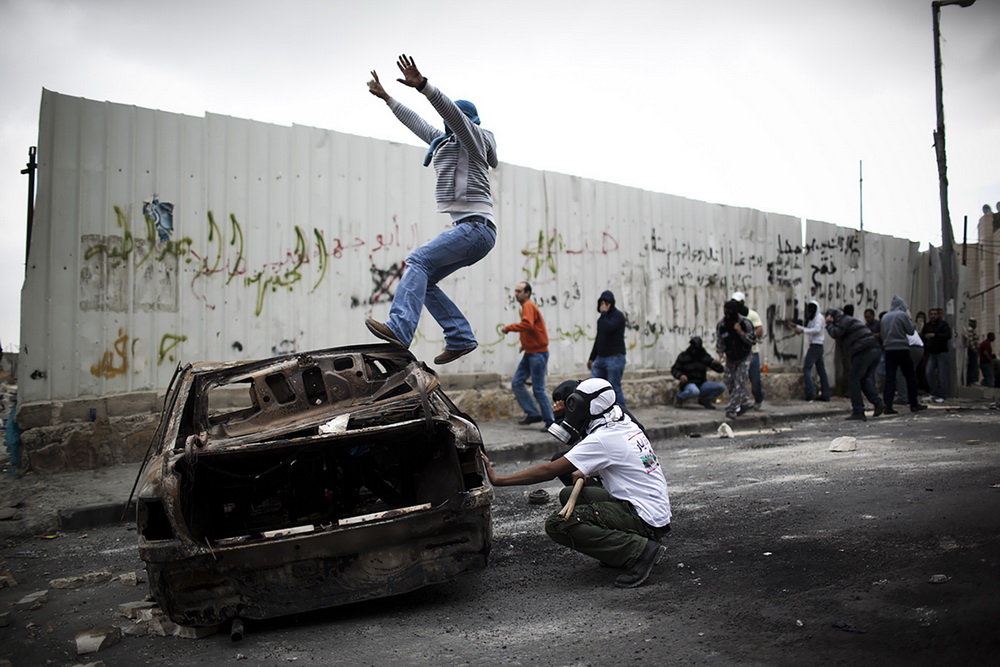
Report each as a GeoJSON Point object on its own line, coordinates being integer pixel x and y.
{"type": "Point", "coordinates": [637, 574]}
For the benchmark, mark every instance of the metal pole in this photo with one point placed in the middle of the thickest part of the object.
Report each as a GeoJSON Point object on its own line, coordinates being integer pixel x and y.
{"type": "Point", "coordinates": [948, 268]}
{"type": "Point", "coordinates": [861, 194]}
{"type": "Point", "coordinates": [30, 170]}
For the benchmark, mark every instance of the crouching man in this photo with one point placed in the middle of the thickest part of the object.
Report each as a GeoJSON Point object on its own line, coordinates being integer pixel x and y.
{"type": "Point", "coordinates": [621, 523]}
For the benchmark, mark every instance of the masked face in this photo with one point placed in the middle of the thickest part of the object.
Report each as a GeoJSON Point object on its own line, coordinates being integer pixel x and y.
{"type": "Point", "coordinates": [591, 399]}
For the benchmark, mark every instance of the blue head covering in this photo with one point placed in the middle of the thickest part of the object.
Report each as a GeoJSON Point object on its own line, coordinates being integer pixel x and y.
{"type": "Point", "coordinates": [466, 107]}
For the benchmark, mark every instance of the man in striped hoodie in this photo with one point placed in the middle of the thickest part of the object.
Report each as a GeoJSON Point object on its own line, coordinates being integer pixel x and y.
{"type": "Point", "coordinates": [462, 155]}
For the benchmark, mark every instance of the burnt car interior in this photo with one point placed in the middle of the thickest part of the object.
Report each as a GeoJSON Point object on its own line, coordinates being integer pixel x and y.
{"type": "Point", "coordinates": [311, 441]}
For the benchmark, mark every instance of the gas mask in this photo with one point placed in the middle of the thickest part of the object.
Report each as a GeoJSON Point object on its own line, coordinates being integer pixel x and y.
{"type": "Point", "coordinates": [591, 399]}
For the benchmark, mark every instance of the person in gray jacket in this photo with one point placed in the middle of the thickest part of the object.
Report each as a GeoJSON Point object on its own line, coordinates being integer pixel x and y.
{"type": "Point", "coordinates": [462, 156]}
{"type": "Point", "coordinates": [895, 327]}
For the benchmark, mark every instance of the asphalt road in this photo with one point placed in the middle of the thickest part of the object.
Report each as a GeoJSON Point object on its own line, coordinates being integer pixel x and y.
{"type": "Point", "coordinates": [782, 553]}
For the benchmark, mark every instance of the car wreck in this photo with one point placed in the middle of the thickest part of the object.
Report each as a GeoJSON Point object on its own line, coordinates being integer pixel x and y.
{"type": "Point", "coordinates": [307, 481]}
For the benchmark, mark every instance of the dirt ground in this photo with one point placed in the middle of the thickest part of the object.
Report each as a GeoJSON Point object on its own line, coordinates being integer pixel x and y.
{"type": "Point", "coordinates": [782, 553]}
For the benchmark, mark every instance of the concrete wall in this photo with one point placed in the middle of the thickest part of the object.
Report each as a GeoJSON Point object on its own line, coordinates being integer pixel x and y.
{"type": "Point", "coordinates": [161, 239]}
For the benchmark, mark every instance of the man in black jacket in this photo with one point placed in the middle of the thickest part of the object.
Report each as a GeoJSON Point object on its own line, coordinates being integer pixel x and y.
{"type": "Point", "coordinates": [936, 334]}
{"type": "Point", "coordinates": [691, 370]}
{"type": "Point", "coordinates": [865, 352]}
{"type": "Point", "coordinates": [607, 357]}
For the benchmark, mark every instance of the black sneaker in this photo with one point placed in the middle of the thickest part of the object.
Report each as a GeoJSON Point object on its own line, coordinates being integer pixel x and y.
{"type": "Point", "coordinates": [530, 420]}
{"type": "Point", "coordinates": [855, 416]}
{"type": "Point", "coordinates": [706, 405]}
{"type": "Point", "coordinates": [879, 410]}
{"type": "Point", "coordinates": [638, 573]}
{"type": "Point", "coordinates": [890, 411]}
{"type": "Point", "coordinates": [918, 407]}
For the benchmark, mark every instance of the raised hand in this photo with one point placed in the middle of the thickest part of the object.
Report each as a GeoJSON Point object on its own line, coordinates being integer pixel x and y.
{"type": "Point", "coordinates": [411, 75]}
{"type": "Point", "coordinates": [376, 89]}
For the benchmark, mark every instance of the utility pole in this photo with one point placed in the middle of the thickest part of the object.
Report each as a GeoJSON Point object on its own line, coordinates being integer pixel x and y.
{"type": "Point", "coordinates": [30, 170]}
{"type": "Point", "coordinates": [948, 268]}
{"type": "Point", "coordinates": [861, 194]}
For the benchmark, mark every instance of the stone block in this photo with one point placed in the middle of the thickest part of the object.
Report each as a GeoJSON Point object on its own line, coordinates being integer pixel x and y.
{"type": "Point", "coordinates": [97, 638]}
{"type": "Point", "coordinates": [34, 600]}
{"type": "Point", "coordinates": [134, 609]}
{"type": "Point", "coordinates": [82, 580]}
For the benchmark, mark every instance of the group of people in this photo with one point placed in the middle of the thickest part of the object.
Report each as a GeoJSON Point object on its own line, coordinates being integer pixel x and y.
{"type": "Point", "coordinates": [737, 337]}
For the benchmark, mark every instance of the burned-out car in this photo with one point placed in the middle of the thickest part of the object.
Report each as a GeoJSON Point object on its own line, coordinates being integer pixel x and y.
{"type": "Point", "coordinates": [307, 481]}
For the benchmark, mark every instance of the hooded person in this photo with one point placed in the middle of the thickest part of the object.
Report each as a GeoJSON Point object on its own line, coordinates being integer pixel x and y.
{"type": "Point", "coordinates": [691, 370]}
{"type": "Point", "coordinates": [462, 156]}
{"type": "Point", "coordinates": [620, 524]}
{"type": "Point", "coordinates": [607, 356]}
{"type": "Point", "coordinates": [896, 328]}
{"type": "Point", "coordinates": [756, 382]}
{"type": "Point", "coordinates": [865, 353]}
{"type": "Point", "coordinates": [735, 337]}
{"type": "Point", "coordinates": [813, 328]}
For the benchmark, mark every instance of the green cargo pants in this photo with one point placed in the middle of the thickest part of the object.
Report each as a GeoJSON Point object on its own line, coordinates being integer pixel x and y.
{"type": "Point", "coordinates": [602, 527]}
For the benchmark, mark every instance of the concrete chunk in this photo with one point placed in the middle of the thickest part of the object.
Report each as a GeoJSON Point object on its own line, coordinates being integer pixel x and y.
{"type": "Point", "coordinates": [132, 609]}
{"type": "Point", "coordinates": [97, 638]}
{"type": "Point", "coordinates": [34, 600]}
{"type": "Point", "coordinates": [844, 443]}
{"type": "Point", "coordinates": [81, 580]}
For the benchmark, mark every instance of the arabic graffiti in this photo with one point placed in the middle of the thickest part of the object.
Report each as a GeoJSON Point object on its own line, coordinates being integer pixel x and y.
{"type": "Point", "coordinates": [107, 367]}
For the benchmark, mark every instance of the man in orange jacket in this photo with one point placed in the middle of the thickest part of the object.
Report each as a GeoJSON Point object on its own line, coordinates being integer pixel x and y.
{"type": "Point", "coordinates": [534, 363]}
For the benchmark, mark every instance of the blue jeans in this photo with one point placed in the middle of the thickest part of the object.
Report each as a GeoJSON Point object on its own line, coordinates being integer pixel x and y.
{"type": "Point", "coordinates": [755, 384]}
{"type": "Point", "coordinates": [814, 356]}
{"type": "Point", "coordinates": [533, 365]}
{"type": "Point", "coordinates": [987, 372]}
{"type": "Point", "coordinates": [705, 394]}
{"type": "Point", "coordinates": [453, 249]}
{"type": "Point", "coordinates": [611, 369]}
{"type": "Point", "coordinates": [938, 369]}
{"type": "Point", "coordinates": [862, 380]}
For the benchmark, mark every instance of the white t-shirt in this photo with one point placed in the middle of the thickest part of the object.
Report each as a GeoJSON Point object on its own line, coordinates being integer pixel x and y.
{"type": "Point", "coordinates": [756, 322]}
{"type": "Point", "coordinates": [629, 469]}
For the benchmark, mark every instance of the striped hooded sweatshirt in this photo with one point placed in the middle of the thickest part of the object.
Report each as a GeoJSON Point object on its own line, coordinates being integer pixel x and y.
{"type": "Point", "coordinates": [462, 161]}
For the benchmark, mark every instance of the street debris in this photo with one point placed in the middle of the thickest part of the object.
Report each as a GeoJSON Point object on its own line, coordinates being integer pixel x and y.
{"type": "Point", "coordinates": [34, 600]}
{"type": "Point", "coordinates": [129, 578]}
{"type": "Point", "coordinates": [150, 621]}
{"type": "Point", "coordinates": [847, 627]}
{"type": "Point", "coordinates": [939, 579]}
{"type": "Point", "coordinates": [845, 443]}
{"type": "Point", "coordinates": [538, 497]}
{"type": "Point", "coordinates": [973, 442]}
{"type": "Point", "coordinates": [725, 430]}
{"type": "Point", "coordinates": [97, 638]}
{"type": "Point", "coordinates": [81, 580]}
{"type": "Point", "coordinates": [7, 580]}
{"type": "Point", "coordinates": [926, 617]}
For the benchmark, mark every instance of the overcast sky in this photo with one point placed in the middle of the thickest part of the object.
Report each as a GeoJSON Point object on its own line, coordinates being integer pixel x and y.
{"type": "Point", "coordinates": [769, 104]}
